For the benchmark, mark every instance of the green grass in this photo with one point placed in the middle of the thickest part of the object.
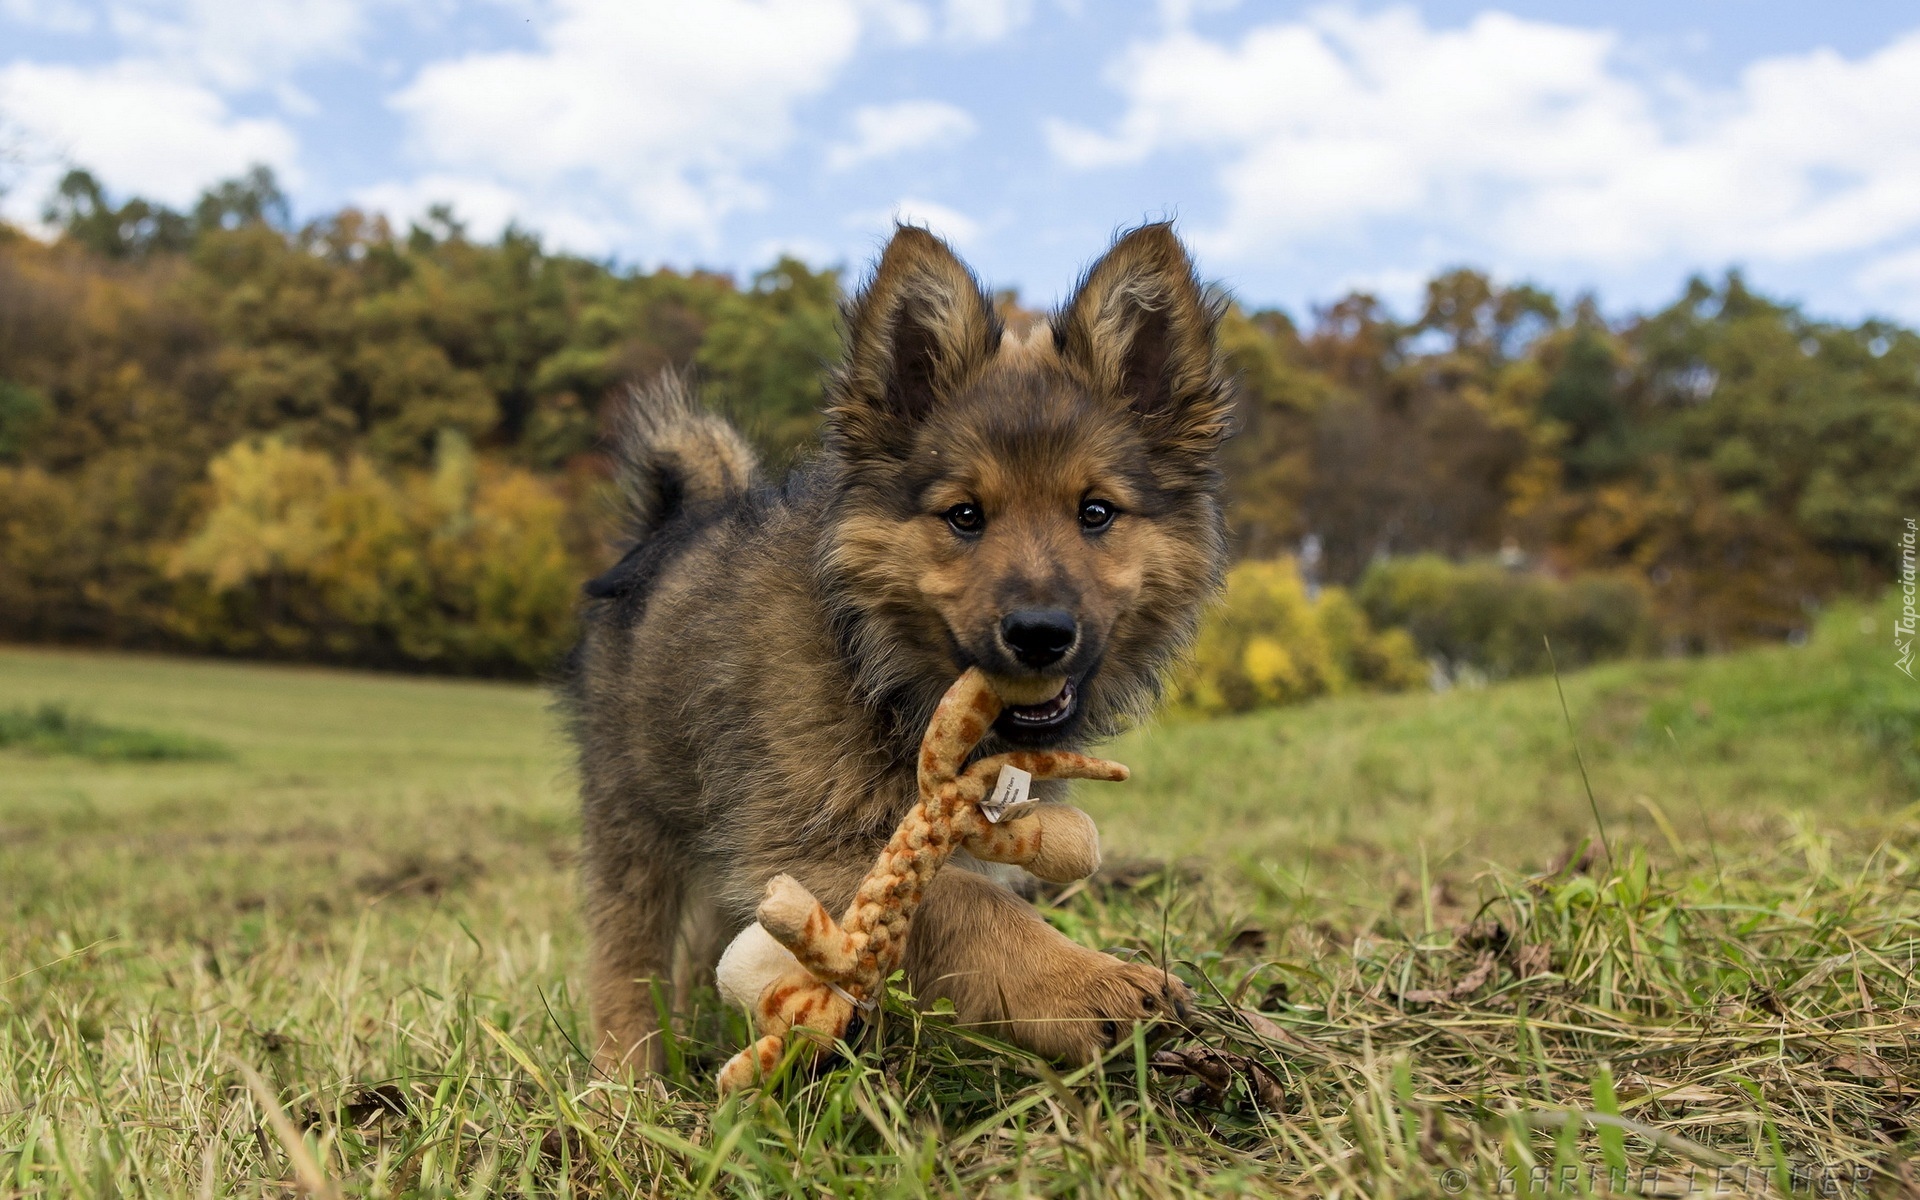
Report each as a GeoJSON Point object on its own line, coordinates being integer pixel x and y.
{"type": "Point", "coordinates": [345, 954]}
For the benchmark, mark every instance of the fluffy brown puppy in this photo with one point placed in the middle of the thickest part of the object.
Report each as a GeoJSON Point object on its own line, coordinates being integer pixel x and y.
{"type": "Point", "coordinates": [749, 694]}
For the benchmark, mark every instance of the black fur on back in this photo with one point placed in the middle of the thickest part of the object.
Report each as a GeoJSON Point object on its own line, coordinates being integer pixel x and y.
{"type": "Point", "coordinates": [680, 466]}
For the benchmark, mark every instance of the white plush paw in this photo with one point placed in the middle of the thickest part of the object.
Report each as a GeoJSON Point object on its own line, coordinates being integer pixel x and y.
{"type": "Point", "coordinates": [752, 962]}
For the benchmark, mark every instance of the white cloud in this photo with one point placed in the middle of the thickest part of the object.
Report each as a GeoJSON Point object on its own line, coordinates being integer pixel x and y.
{"type": "Point", "coordinates": [965, 22]}
{"type": "Point", "coordinates": [949, 223]}
{"type": "Point", "coordinates": [981, 21]}
{"type": "Point", "coordinates": [1179, 12]}
{"type": "Point", "coordinates": [1523, 141]}
{"type": "Point", "coordinates": [881, 131]}
{"type": "Point", "coordinates": [238, 45]}
{"type": "Point", "coordinates": [136, 128]}
{"type": "Point", "coordinates": [1401, 289]}
{"type": "Point", "coordinates": [652, 120]}
{"type": "Point", "coordinates": [1892, 280]}
{"type": "Point", "coordinates": [54, 16]}
{"type": "Point", "coordinates": [157, 120]}
{"type": "Point", "coordinates": [653, 109]}
{"type": "Point", "coordinates": [628, 123]}
{"type": "Point", "coordinates": [486, 208]}
{"type": "Point", "coordinates": [808, 250]}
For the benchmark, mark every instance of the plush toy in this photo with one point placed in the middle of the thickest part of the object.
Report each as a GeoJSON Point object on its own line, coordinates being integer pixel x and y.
{"type": "Point", "coordinates": [797, 969]}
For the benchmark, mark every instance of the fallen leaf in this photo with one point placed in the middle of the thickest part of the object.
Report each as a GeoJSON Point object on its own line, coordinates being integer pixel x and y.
{"type": "Point", "coordinates": [367, 1105]}
{"type": "Point", "coordinates": [561, 1141]}
{"type": "Point", "coordinates": [1211, 1067]}
{"type": "Point", "coordinates": [1461, 988]}
{"type": "Point", "coordinates": [1819, 973]}
{"type": "Point", "coordinates": [1168, 1060]}
{"type": "Point", "coordinates": [1477, 978]}
{"type": "Point", "coordinates": [1215, 1069]}
{"type": "Point", "coordinates": [1866, 1066]}
{"type": "Point", "coordinates": [1483, 935]}
{"type": "Point", "coordinates": [1531, 960]}
{"type": "Point", "coordinates": [1274, 1031]}
{"type": "Point", "coordinates": [1248, 940]}
{"type": "Point", "coordinates": [1266, 1088]}
{"type": "Point", "coordinates": [1686, 1094]}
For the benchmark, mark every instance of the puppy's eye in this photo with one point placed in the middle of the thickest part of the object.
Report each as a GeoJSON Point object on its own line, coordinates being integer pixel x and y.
{"type": "Point", "coordinates": [1095, 514]}
{"type": "Point", "coordinates": [966, 518]}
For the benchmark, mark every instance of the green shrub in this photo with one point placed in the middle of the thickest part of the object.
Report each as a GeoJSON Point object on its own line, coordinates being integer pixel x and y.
{"type": "Point", "coordinates": [22, 411]}
{"type": "Point", "coordinates": [1487, 618]}
{"type": "Point", "coordinates": [53, 729]}
{"type": "Point", "coordinates": [1270, 643]}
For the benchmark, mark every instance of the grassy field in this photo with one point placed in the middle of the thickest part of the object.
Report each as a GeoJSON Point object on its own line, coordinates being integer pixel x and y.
{"type": "Point", "coordinates": [319, 935]}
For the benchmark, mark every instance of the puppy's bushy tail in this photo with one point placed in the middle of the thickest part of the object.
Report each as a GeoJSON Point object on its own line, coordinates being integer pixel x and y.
{"type": "Point", "coordinates": [675, 455]}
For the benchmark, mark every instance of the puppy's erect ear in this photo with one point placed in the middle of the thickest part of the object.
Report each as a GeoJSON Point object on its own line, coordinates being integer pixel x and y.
{"type": "Point", "coordinates": [1142, 330]}
{"type": "Point", "coordinates": [917, 332]}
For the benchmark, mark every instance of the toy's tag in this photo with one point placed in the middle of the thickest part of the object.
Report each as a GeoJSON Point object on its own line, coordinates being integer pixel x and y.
{"type": "Point", "coordinates": [1009, 797]}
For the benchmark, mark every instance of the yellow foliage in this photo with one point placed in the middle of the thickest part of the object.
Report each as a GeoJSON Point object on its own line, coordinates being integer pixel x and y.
{"type": "Point", "coordinates": [465, 566]}
{"type": "Point", "coordinates": [1270, 644]}
{"type": "Point", "coordinates": [270, 515]}
{"type": "Point", "coordinates": [33, 516]}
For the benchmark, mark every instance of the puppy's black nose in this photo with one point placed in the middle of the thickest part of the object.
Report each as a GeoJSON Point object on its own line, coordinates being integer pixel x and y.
{"type": "Point", "coordinates": [1038, 637]}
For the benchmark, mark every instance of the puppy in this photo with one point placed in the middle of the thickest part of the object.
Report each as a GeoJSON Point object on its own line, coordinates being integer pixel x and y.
{"type": "Point", "coordinates": [755, 674]}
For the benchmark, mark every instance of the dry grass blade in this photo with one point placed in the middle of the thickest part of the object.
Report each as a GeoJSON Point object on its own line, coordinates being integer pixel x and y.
{"type": "Point", "coordinates": [305, 1168]}
{"type": "Point", "coordinates": [1704, 1155]}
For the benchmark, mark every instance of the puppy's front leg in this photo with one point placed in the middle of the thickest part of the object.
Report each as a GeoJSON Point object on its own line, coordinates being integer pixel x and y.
{"type": "Point", "coordinates": [1008, 971]}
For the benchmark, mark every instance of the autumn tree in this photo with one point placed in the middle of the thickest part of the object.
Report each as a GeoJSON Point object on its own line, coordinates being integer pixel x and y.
{"type": "Point", "coordinates": [409, 426]}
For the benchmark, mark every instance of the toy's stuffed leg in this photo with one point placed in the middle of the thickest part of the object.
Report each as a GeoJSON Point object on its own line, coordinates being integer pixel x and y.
{"type": "Point", "coordinates": [795, 1001]}
{"type": "Point", "coordinates": [762, 976]}
{"type": "Point", "coordinates": [751, 1065]}
{"type": "Point", "coordinates": [1057, 842]}
{"type": "Point", "coordinates": [1041, 764]}
{"type": "Point", "coordinates": [797, 921]}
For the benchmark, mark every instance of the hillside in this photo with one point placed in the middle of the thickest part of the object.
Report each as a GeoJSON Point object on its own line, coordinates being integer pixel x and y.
{"type": "Point", "coordinates": [352, 881]}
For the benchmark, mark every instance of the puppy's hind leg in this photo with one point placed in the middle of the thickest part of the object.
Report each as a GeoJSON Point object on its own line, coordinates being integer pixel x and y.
{"type": "Point", "coordinates": [633, 917]}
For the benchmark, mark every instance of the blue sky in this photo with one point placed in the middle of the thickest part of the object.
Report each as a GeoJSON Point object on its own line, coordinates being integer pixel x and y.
{"type": "Point", "coordinates": [1304, 148]}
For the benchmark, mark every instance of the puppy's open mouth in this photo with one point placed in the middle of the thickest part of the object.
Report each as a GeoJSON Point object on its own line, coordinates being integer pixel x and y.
{"type": "Point", "coordinates": [1046, 714]}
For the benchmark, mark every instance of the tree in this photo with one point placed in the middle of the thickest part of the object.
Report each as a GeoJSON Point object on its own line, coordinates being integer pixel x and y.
{"type": "Point", "coordinates": [135, 229]}
{"type": "Point", "coordinates": [1743, 460]}
{"type": "Point", "coordinates": [767, 349]}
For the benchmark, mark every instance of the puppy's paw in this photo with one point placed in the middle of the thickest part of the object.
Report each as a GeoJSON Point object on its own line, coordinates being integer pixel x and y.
{"type": "Point", "coordinates": [1090, 1004]}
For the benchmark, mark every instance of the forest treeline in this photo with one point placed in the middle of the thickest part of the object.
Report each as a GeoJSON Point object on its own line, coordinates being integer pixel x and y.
{"type": "Point", "coordinates": [345, 442]}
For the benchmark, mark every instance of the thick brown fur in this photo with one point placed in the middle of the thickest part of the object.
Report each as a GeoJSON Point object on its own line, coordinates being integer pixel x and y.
{"type": "Point", "coordinates": [755, 674]}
